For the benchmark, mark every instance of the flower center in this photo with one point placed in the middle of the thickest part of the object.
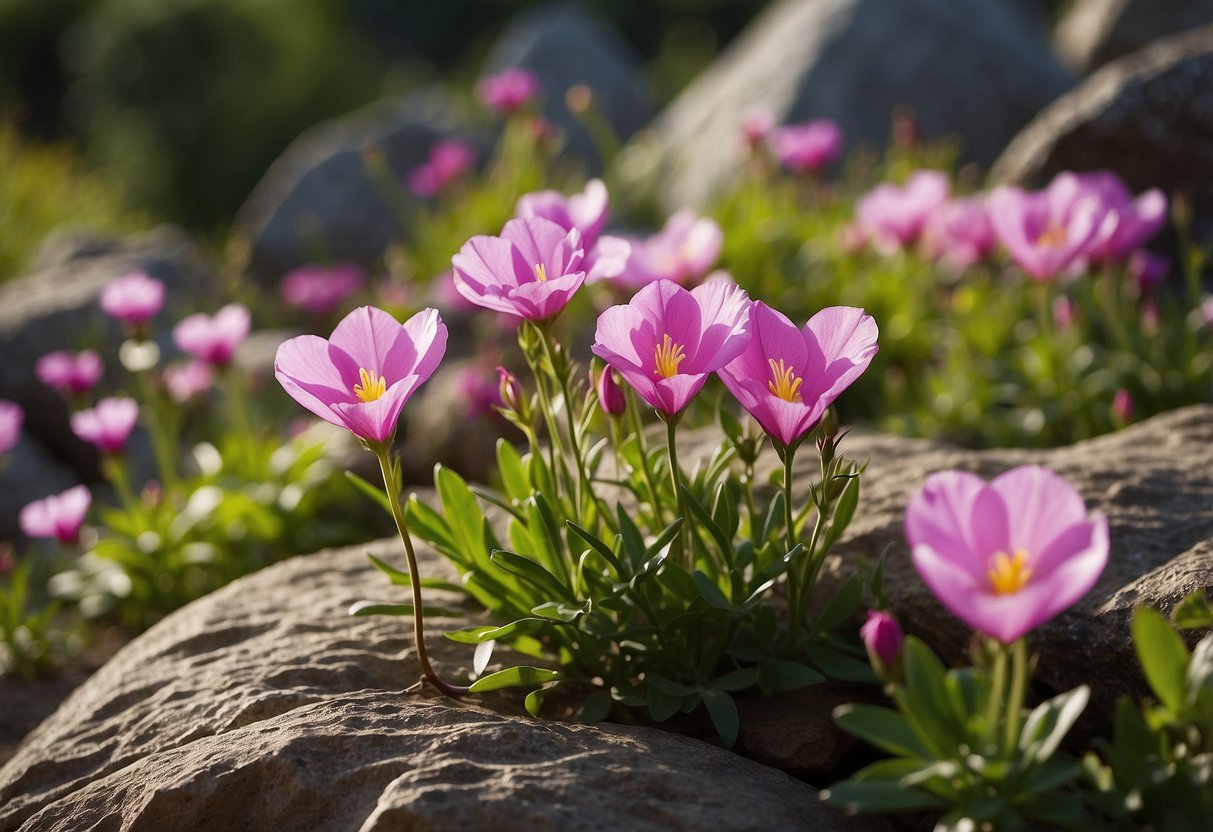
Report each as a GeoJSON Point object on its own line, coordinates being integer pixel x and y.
{"type": "Point", "coordinates": [541, 272]}
{"type": "Point", "coordinates": [785, 384]}
{"type": "Point", "coordinates": [372, 387]}
{"type": "Point", "coordinates": [667, 357]}
{"type": "Point", "coordinates": [1054, 236]}
{"type": "Point", "coordinates": [1009, 574]}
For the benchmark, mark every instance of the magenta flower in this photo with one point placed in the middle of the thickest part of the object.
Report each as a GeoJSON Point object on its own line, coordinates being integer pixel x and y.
{"type": "Point", "coordinates": [532, 270]}
{"type": "Point", "coordinates": [894, 216]}
{"type": "Point", "coordinates": [188, 380]}
{"type": "Point", "coordinates": [882, 638]}
{"type": "Point", "coordinates": [807, 147]}
{"type": "Point", "coordinates": [1047, 232]}
{"type": "Point", "coordinates": [959, 233]}
{"type": "Point", "coordinates": [1122, 407]}
{"type": "Point", "coordinates": [683, 251]}
{"type": "Point", "coordinates": [318, 290]}
{"type": "Point", "coordinates": [74, 374]}
{"type": "Point", "coordinates": [1007, 556]}
{"type": "Point", "coordinates": [586, 211]}
{"type": "Point", "coordinates": [478, 389]}
{"type": "Point", "coordinates": [1148, 270]}
{"type": "Point", "coordinates": [133, 299]}
{"type": "Point", "coordinates": [108, 425]}
{"type": "Point", "coordinates": [58, 517]}
{"type": "Point", "coordinates": [509, 391]}
{"type": "Point", "coordinates": [361, 377]}
{"type": "Point", "coordinates": [756, 127]}
{"type": "Point", "coordinates": [667, 340]}
{"type": "Point", "coordinates": [787, 377]}
{"type": "Point", "coordinates": [1063, 312]}
{"type": "Point", "coordinates": [213, 339]}
{"type": "Point", "coordinates": [509, 90]}
{"type": "Point", "coordinates": [1127, 222]}
{"type": "Point", "coordinates": [448, 160]}
{"type": "Point", "coordinates": [11, 417]}
{"type": "Point", "coordinates": [610, 395]}
{"type": "Point", "coordinates": [1204, 313]}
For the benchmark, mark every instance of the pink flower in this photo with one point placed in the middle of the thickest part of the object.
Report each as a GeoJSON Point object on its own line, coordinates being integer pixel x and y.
{"type": "Point", "coordinates": [610, 395]}
{"type": "Point", "coordinates": [683, 251]}
{"type": "Point", "coordinates": [1127, 223]}
{"type": "Point", "coordinates": [755, 128]}
{"type": "Point", "coordinates": [1063, 312]}
{"type": "Point", "coordinates": [1046, 232]}
{"type": "Point", "coordinates": [11, 417]}
{"type": "Point", "coordinates": [586, 211]}
{"type": "Point", "coordinates": [807, 147]}
{"type": "Point", "coordinates": [213, 339]}
{"type": "Point", "coordinates": [133, 299]}
{"type": "Point", "coordinates": [1007, 556]}
{"type": "Point", "coordinates": [787, 377]}
{"type": "Point", "coordinates": [882, 638]}
{"type": "Point", "coordinates": [667, 340]}
{"type": "Point", "coordinates": [318, 290]}
{"type": "Point", "coordinates": [448, 160]}
{"type": "Point", "coordinates": [480, 390]}
{"type": "Point", "coordinates": [108, 425]}
{"type": "Point", "coordinates": [893, 217]}
{"type": "Point", "coordinates": [509, 391]}
{"type": "Point", "coordinates": [532, 270]}
{"type": "Point", "coordinates": [1148, 269]}
{"type": "Point", "coordinates": [188, 380]}
{"type": "Point", "coordinates": [361, 377]}
{"type": "Point", "coordinates": [1205, 313]}
{"type": "Point", "coordinates": [1122, 407]}
{"type": "Point", "coordinates": [75, 374]}
{"type": "Point", "coordinates": [57, 517]}
{"type": "Point", "coordinates": [959, 233]}
{"type": "Point", "coordinates": [508, 90]}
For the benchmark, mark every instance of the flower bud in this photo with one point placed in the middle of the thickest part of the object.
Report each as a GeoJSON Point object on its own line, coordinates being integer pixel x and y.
{"type": "Point", "coordinates": [882, 637]}
{"type": "Point", "coordinates": [610, 395]}
{"type": "Point", "coordinates": [1122, 407]}
{"type": "Point", "coordinates": [508, 388]}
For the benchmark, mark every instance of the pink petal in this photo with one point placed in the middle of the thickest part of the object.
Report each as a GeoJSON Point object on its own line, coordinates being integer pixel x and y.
{"type": "Point", "coordinates": [305, 368]}
{"type": "Point", "coordinates": [1040, 506]}
{"type": "Point", "coordinates": [941, 517]}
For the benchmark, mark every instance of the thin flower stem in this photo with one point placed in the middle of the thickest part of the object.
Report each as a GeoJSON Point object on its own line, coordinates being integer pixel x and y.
{"type": "Point", "coordinates": [671, 423]}
{"type": "Point", "coordinates": [646, 469]}
{"type": "Point", "coordinates": [1019, 683]}
{"type": "Point", "coordinates": [114, 467]}
{"type": "Point", "coordinates": [393, 495]}
{"type": "Point", "coordinates": [555, 446]}
{"type": "Point", "coordinates": [240, 415]}
{"type": "Point", "coordinates": [162, 443]}
{"type": "Point", "coordinates": [998, 684]}
{"type": "Point", "coordinates": [584, 492]}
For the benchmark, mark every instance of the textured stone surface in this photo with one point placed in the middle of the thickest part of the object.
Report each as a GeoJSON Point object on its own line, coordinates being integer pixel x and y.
{"type": "Point", "coordinates": [262, 706]}
{"type": "Point", "coordinates": [1147, 116]}
{"type": "Point", "coordinates": [979, 70]}
{"type": "Point", "coordinates": [1093, 32]}
{"type": "Point", "coordinates": [564, 46]}
{"type": "Point", "coordinates": [317, 201]}
{"type": "Point", "coordinates": [1154, 481]}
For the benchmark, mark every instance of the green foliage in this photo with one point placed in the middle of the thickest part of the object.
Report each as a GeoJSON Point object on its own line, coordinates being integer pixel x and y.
{"type": "Point", "coordinates": [30, 642]}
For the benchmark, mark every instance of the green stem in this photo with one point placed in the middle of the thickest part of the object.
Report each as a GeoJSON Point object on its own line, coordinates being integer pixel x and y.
{"type": "Point", "coordinates": [162, 443]}
{"type": "Point", "coordinates": [645, 468]}
{"type": "Point", "coordinates": [998, 684]}
{"type": "Point", "coordinates": [555, 446]}
{"type": "Point", "coordinates": [115, 470]}
{"type": "Point", "coordinates": [393, 495]}
{"type": "Point", "coordinates": [671, 423]}
{"type": "Point", "coordinates": [1019, 683]}
{"type": "Point", "coordinates": [585, 491]}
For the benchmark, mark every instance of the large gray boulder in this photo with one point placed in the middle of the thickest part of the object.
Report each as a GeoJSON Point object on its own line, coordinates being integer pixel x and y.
{"type": "Point", "coordinates": [318, 201]}
{"type": "Point", "coordinates": [1147, 116]}
{"type": "Point", "coordinates": [1094, 32]}
{"type": "Point", "coordinates": [978, 70]}
{"type": "Point", "coordinates": [564, 47]}
{"type": "Point", "coordinates": [263, 706]}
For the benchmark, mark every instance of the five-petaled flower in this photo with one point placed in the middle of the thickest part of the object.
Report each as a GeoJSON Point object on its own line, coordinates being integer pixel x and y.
{"type": "Point", "coordinates": [787, 377]}
{"type": "Point", "coordinates": [1008, 555]}
{"type": "Point", "coordinates": [361, 377]}
{"type": "Point", "coordinates": [58, 517]}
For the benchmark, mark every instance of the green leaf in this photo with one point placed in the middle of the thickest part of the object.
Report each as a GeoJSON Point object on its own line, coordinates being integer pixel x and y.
{"type": "Point", "coordinates": [365, 608]}
{"type": "Point", "coordinates": [880, 796]}
{"type": "Point", "coordinates": [464, 517]}
{"type": "Point", "coordinates": [842, 606]}
{"type": "Point", "coordinates": [884, 728]}
{"type": "Point", "coordinates": [561, 613]}
{"type": "Point", "coordinates": [668, 686]}
{"type": "Point", "coordinates": [545, 534]}
{"type": "Point", "coordinates": [735, 680]}
{"type": "Point", "coordinates": [489, 632]}
{"type": "Point", "coordinates": [401, 578]}
{"type": "Point", "coordinates": [926, 689]}
{"type": "Point", "coordinates": [514, 677]}
{"type": "Point", "coordinates": [723, 542]}
{"type": "Point", "coordinates": [793, 675]}
{"type": "Point", "coordinates": [1193, 612]}
{"type": "Point", "coordinates": [836, 665]}
{"type": "Point", "coordinates": [376, 495]}
{"type": "Point", "coordinates": [844, 510]}
{"type": "Point", "coordinates": [596, 707]}
{"type": "Point", "coordinates": [534, 699]}
{"type": "Point", "coordinates": [710, 592]}
{"type": "Point", "coordinates": [531, 572]}
{"type": "Point", "coordinates": [661, 705]}
{"type": "Point", "coordinates": [1050, 721]}
{"type": "Point", "coordinates": [513, 477]}
{"type": "Point", "coordinates": [1163, 656]}
{"type": "Point", "coordinates": [600, 547]}
{"type": "Point", "coordinates": [723, 711]}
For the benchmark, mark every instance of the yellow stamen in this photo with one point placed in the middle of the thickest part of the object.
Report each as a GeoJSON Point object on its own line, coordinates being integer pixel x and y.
{"type": "Point", "coordinates": [785, 384]}
{"type": "Point", "coordinates": [541, 272]}
{"type": "Point", "coordinates": [1053, 237]}
{"type": "Point", "coordinates": [1009, 574]}
{"type": "Point", "coordinates": [668, 356]}
{"type": "Point", "coordinates": [372, 387]}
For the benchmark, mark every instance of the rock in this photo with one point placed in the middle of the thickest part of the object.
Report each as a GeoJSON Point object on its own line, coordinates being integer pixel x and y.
{"type": "Point", "coordinates": [1147, 117]}
{"type": "Point", "coordinates": [56, 308]}
{"type": "Point", "coordinates": [1094, 32]}
{"type": "Point", "coordinates": [564, 46]}
{"type": "Point", "coordinates": [317, 201]}
{"type": "Point", "coordinates": [795, 731]}
{"type": "Point", "coordinates": [263, 706]}
{"type": "Point", "coordinates": [1153, 480]}
{"type": "Point", "coordinates": [978, 70]}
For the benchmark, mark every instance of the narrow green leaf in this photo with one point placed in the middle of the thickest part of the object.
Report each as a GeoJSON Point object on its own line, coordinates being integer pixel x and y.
{"type": "Point", "coordinates": [842, 606]}
{"type": "Point", "coordinates": [514, 677]}
{"type": "Point", "coordinates": [596, 707]}
{"type": "Point", "coordinates": [880, 796]}
{"type": "Point", "coordinates": [723, 542]}
{"type": "Point", "coordinates": [601, 548]}
{"type": "Point", "coordinates": [365, 608]}
{"type": "Point", "coordinates": [661, 705]}
{"type": "Point", "coordinates": [710, 592]}
{"type": "Point", "coordinates": [1050, 721]}
{"type": "Point", "coordinates": [723, 711]}
{"type": "Point", "coordinates": [1193, 612]}
{"type": "Point", "coordinates": [400, 578]}
{"type": "Point", "coordinates": [735, 680]}
{"type": "Point", "coordinates": [1162, 655]}
{"type": "Point", "coordinates": [884, 728]}
{"type": "Point", "coordinates": [513, 477]}
{"type": "Point", "coordinates": [793, 675]}
{"type": "Point", "coordinates": [531, 572]}
{"type": "Point", "coordinates": [489, 632]}
{"type": "Point", "coordinates": [465, 519]}
{"type": "Point", "coordinates": [375, 494]}
{"type": "Point", "coordinates": [844, 510]}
